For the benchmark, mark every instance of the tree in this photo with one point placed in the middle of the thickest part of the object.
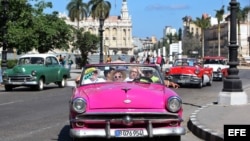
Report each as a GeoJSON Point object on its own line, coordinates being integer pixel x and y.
{"type": "Point", "coordinates": [86, 42]}
{"type": "Point", "coordinates": [51, 32]}
{"type": "Point", "coordinates": [203, 23]}
{"type": "Point", "coordinates": [219, 15]}
{"type": "Point", "coordinates": [29, 28]}
{"type": "Point", "coordinates": [20, 23]}
{"type": "Point", "coordinates": [179, 34]}
{"type": "Point", "coordinates": [77, 11]}
{"type": "Point", "coordinates": [100, 9]}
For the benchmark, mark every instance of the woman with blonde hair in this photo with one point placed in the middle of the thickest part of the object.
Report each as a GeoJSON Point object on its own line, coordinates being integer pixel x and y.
{"type": "Point", "coordinates": [118, 76]}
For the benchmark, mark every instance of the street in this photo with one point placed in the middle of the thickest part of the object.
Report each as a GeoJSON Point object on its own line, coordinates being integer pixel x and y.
{"type": "Point", "coordinates": [43, 115]}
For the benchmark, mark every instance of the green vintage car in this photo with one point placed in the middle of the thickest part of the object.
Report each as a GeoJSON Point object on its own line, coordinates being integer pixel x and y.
{"type": "Point", "coordinates": [36, 71]}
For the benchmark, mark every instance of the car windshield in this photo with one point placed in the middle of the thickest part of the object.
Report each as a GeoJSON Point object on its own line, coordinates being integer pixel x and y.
{"type": "Point", "coordinates": [214, 61]}
{"type": "Point", "coordinates": [121, 73]}
{"type": "Point", "coordinates": [31, 60]}
{"type": "Point", "coordinates": [185, 62]}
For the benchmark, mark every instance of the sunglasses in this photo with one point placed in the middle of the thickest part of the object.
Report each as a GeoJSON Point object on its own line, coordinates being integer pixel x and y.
{"type": "Point", "coordinates": [119, 76]}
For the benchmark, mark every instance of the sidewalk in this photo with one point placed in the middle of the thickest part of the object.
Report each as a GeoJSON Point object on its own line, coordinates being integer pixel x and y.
{"type": "Point", "coordinates": [208, 121]}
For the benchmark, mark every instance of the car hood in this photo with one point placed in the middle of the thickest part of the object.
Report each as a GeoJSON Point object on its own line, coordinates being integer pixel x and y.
{"type": "Point", "coordinates": [125, 95]}
{"type": "Point", "coordinates": [216, 66]}
{"type": "Point", "coordinates": [23, 69]}
{"type": "Point", "coordinates": [182, 70]}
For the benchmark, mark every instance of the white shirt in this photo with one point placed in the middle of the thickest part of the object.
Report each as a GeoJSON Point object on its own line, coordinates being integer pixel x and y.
{"type": "Point", "coordinates": [98, 80]}
{"type": "Point", "coordinates": [128, 79]}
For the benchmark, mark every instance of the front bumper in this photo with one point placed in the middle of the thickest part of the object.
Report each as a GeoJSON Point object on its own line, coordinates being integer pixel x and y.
{"type": "Point", "coordinates": [217, 75]}
{"type": "Point", "coordinates": [151, 124]}
{"type": "Point", "coordinates": [20, 80]}
{"type": "Point", "coordinates": [109, 133]}
{"type": "Point", "coordinates": [186, 79]}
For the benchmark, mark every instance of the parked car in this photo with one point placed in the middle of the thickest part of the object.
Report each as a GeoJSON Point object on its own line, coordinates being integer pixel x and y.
{"type": "Point", "coordinates": [112, 105]}
{"type": "Point", "coordinates": [35, 71]}
{"type": "Point", "coordinates": [219, 65]}
{"type": "Point", "coordinates": [189, 71]}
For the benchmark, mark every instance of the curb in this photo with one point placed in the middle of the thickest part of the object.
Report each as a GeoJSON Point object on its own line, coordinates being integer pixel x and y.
{"type": "Point", "coordinates": [200, 130]}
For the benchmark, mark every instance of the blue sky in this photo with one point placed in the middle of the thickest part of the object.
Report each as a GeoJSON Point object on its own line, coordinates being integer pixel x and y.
{"type": "Point", "coordinates": [149, 17]}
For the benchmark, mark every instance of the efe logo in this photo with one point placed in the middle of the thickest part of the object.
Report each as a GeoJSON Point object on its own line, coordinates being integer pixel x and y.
{"type": "Point", "coordinates": [241, 132]}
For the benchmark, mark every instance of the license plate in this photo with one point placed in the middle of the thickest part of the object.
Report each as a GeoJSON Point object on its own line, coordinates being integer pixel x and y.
{"type": "Point", "coordinates": [181, 81]}
{"type": "Point", "coordinates": [129, 133]}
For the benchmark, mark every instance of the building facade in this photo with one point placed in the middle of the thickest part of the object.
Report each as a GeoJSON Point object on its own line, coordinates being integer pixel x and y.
{"type": "Point", "coordinates": [117, 35]}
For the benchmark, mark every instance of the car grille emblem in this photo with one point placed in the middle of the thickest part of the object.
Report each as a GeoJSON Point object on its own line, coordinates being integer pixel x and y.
{"type": "Point", "coordinates": [127, 101]}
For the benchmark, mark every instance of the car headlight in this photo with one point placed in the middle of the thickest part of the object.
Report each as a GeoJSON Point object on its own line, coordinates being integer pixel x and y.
{"type": "Point", "coordinates": [197, 71]}
{"type": "Point", "coordinates": [219, 70]}
{"type": "Point", "coordinates": [79, 105]}
{"type": "Point", "coordinates": [33, 73]}
{"type": "Point", "coordinates": [167, 70]}
{"type": "Point", "coordinates": [174, 104]}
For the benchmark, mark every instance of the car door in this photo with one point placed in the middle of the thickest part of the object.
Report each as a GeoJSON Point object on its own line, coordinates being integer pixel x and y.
{"type": "Point", "coordinates": [50, 70]}
{"type": "Point", "coordinates": [56, 69]}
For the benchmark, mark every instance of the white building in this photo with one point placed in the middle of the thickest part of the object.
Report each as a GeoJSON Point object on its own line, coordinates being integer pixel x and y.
{"type": "Point", "coordinates": [117, 35]}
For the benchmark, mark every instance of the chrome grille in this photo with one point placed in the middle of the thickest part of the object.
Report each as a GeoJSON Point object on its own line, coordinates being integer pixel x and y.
{"type": "Point", "coordinates": [181, 77]}
{"type": "Point", "coordinates": [20, 78]}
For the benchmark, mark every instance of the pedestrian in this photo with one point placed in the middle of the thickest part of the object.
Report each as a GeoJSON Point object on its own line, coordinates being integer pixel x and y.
{"type": "Point", "coordinates": [132, 59]}
{"type": "Point", "coordinates": [162, 62]}
{"type": "Point", "coordinates": [63, 61]}
{"type": "Point", "coordinates": [1, 77]}
{"type": "Point", "coordinates": [70, 63]}
{"type": "Point", "coordinates": [109, 59]}
{"type": "Point", "coordinates": [60, 58]}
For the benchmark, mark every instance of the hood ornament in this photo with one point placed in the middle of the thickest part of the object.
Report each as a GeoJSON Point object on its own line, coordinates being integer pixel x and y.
{"type": "Point", "coordinates": [125, 89]}
{"type": "Point", "coordinates": [127, 101]}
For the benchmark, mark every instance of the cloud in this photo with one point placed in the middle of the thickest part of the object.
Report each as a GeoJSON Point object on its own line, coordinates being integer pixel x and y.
{"type": "Point", "coordinates": [166, 7]}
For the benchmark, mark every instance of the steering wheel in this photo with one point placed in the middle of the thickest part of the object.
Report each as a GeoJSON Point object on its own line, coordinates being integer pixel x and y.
{"type": "Point", "coordinates": [143, 79]}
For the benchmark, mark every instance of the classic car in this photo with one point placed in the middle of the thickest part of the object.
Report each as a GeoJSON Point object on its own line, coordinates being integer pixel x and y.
{"type": "Point", "coordinates": [35, 71]}
{"type": "Point", "coordinates": [219, 65]}
{"type": "Point", "coordinates": [112, 105]}
{"type": "Point", "coordinates": [189, 71]}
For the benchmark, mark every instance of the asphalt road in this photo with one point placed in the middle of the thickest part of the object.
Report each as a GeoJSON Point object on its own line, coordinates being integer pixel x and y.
{"type": "Point", "coordinates": [43, 115]}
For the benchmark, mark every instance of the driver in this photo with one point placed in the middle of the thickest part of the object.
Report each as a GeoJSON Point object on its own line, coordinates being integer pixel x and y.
{"type": "Point", "coordinates": [133, 73]}
{"type": "Point", "coordinates": [149, 74]}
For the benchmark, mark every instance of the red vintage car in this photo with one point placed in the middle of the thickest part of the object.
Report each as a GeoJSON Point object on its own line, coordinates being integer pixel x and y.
{"type": "Point", "coordinates": [119, 100]}
{"type": "Point", "coordinates": [189, 71]}
{"type": "Point", "coordinates": [219, 65]}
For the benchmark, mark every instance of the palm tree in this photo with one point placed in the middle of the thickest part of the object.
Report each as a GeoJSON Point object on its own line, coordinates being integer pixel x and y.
{"type": "Point", "coordinates": [203, 23]}
{"type": "Point", "coordinates": [77, 11]}
{"type": "Point", "coordinates": [100, 9]}
{"type": "Point", "coordinates": [219, 16]}
{"type": "Point", "coordinates": [241, 17]}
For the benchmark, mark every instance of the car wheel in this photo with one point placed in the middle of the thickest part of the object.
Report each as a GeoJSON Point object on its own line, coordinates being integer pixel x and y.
{"type": "Point", "coordinates": [62, 83]}
{"type": "Point", "coordinates": [40, 85]}
{"type": "Point", "coordinates": [200, 85]}
{"type": "Point", "coordinates": [210, 81]}
{"type": "Point", "coordinates": [8, 87]}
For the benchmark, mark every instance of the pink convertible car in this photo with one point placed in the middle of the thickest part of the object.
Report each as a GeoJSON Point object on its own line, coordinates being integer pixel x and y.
{"type": "Point", "coordinates": [125, 101]}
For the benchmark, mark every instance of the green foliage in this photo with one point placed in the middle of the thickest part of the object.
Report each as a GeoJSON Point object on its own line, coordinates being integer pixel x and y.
{"type": "Point", "coordinates": [29, 28]}
{"type": "Point", "coordinates": [85, 42]}
{"type": "Point", "coordinates": [11, 63]}
{"type": "Point", "coordinates": [99, 9]}
{"type": "Point", "coordinates": [78, 10]}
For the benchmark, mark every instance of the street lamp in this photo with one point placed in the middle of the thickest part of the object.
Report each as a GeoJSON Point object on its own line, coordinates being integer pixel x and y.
{"type": "Point", "coordinates": [5, 4]}
{"type": "Point", "coordinates": [232, 92]}
{"type": "Point", "coordinates": [101, 20]}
